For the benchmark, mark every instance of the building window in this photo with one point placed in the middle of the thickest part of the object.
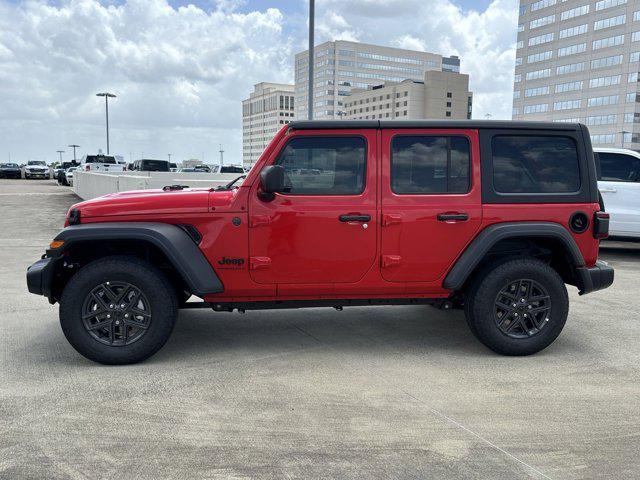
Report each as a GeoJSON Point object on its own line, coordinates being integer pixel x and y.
{"type": "Point", "coordinates": [600, 101]}
{"type": "Point", "coordinates": [541, 22]}
{"type": "Point", "coordinates": [609, 3]}
{"type": "Point", "coordinates": [448, 114]}
{"type": "Point", "coordinates": [609, 22]}
{"type": "Point", "coordinates": [574, 12]}
{"type": "Point", "coordinates": [448, 104]}
{"type": "Point", "coordinates": [449, 94]}
{"type": "Point", "coordinates": [573, 31]}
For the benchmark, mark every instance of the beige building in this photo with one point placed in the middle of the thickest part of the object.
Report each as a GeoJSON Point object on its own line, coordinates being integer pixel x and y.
{"type": "Point", "coordinates": [578, 61]}
{"type": "Point", "coordinates": [439, 95]}
{"type": "Point", "coordinates": [268, 108]}
{"type": "Point", "coordinates": [341, 66]}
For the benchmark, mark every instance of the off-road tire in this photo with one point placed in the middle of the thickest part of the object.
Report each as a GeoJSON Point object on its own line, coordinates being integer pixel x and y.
{"type": "Point", "coordinates": [480, 305]}
{"type": "Point", "coordinates": [149, 280]}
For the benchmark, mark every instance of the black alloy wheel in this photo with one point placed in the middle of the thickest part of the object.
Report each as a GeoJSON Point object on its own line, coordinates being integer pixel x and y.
{"type": "Point", "coordinates": [522, 308]}
{"type": "Point", "coordinates": [116, 313]}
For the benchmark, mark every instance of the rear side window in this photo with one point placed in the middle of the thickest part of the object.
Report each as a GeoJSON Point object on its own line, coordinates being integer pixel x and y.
{"type": "Point", "coordinates": [617, 167]}
{"type": "Point", "coordinates": [324, 165]}
{"type": "Point", "coordinates": [535, 164]}
{"type": "Point", "coordinates": [430, 164]}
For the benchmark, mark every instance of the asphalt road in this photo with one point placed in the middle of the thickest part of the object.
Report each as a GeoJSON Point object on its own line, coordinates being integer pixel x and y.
{"type": "Point", "coordinates": [382, 392]}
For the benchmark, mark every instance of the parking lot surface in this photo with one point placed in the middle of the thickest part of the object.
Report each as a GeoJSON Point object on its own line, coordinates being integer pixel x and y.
{"type": "Point", "coordinates": [379, 392]}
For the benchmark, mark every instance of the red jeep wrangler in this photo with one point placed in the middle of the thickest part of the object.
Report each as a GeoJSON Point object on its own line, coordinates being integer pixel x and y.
{"type": "Point", "coordinates": [491, 217]}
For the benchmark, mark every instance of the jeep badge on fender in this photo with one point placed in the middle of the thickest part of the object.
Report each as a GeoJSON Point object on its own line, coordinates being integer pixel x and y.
{"type": "Point", "coordinates": [494, 218]}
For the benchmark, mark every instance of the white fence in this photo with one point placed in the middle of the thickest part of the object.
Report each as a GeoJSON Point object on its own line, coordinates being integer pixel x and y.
{"type": "Point", "coordinates": [88, 185]}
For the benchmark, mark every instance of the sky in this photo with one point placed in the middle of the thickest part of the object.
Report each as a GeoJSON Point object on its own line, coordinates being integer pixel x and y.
{"type": "Point", "coordinates": [180, 69]}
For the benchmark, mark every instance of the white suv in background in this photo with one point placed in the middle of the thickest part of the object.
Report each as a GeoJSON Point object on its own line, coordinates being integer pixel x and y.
{"type": "Point", "coordinates": [619, 184]}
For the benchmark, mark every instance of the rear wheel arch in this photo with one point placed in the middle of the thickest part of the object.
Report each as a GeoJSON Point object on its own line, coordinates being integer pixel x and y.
{"type": "Point", "coordinates": [550, 242]}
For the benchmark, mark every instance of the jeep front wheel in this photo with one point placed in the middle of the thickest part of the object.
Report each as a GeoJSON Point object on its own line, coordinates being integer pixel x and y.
{"type": "Point", "coordinates": [118, 310]}
{"type": "Point", "coordinates": [517, 307]}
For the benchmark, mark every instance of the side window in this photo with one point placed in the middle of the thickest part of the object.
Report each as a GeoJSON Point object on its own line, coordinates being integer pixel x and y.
{"type": "Point", "coordinates": [431, 164]}
{"type": "Point", "coordinates": [617, 167]}
{"type": "Point", "coordinates": [535, 164]}
{"type": "Point", "coordinates": [324, 165]}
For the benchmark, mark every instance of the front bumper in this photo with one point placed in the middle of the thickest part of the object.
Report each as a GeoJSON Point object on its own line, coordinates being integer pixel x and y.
{"type": "Point", "coordinates": [10, 174]}
{"type": "Point", "coordinates": [598, 277]}
{"type": "Point", "coordinates": [40, 277]}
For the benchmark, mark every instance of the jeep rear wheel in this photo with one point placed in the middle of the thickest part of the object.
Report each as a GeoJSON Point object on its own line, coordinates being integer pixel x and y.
{"type": "Point", "coordinates": [517, 307]}
{"type": "Point", "coordinates": [118, 310]}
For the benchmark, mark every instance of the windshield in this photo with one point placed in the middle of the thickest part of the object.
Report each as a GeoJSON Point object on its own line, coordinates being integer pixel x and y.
{"type": "Point", "coordinates": [100, 159]}
{"type": "Point", "coordinates": [36, 162]}
{"type": "Point", "coordinates": [9, 165]}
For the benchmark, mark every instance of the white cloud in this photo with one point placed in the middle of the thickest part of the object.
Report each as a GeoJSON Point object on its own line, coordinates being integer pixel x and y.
{"type": "Point", "coordinates": [175, 71]}
{"type": "Point", "coordinates": [180, 73]}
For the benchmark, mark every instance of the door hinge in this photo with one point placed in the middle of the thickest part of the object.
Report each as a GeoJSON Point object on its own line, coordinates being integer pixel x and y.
{"type": "Point", "coordinates": [391, 219]}
{"type": "Point", "coordinates": [258, 263]}
{"type": "Point", "coordinates": [390, 260]}
{"type": "Point", "coordinates": [259, 220]}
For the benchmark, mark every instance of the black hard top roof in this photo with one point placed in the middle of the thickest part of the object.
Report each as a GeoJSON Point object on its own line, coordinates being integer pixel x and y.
{"type": "Point", "coordinates": [473, 124]}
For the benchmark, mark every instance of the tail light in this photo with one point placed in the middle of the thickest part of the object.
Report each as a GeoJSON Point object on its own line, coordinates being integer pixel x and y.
{"type": "Point", "coordinates": [86, 168]}
{"type": "Point", "coordinates": [600, 225]}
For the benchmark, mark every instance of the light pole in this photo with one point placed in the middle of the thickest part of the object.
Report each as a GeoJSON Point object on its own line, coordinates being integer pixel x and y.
{"type": "Point", "coordinates": [312, 57]}
{"type": "Point", "coordinates": [623, 132]}
{"type": "Point", "coordinates": [60, 152]}
{"type": "Point", "coordinates": [106, 96]}
{"type": "Point", "coordinates": [169, 157]}
{"type": "Point", "coordinates": [74, 146]}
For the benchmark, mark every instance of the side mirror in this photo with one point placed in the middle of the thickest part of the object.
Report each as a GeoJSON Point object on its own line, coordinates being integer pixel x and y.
{"type": "Point", "coordinates": [271, 181]}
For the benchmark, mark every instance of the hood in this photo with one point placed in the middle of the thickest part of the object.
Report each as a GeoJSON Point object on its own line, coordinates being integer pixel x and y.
{"type": "Point", "coordinates": [146, 202]}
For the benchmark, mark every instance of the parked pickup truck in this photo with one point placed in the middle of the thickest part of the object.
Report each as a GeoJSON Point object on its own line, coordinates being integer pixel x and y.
{"type": "Point", "coordinates": [100, 163]}
{"type": "Point", "coordinates": [494, 218]}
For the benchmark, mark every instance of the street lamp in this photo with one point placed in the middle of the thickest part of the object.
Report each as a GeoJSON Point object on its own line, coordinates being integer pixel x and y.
{"type": "Point", "coordinates": [169, 157]}
{"type": "Point", "coordinates": [106, 96]}
{"type": "Point", "coordinates": [623, 132]}
{"type": "Point", "coordinates": [312, 57]}
{"type": "Point", "coordinates": [74, 146]}
{"type": "Point", "coordinates": [60, 152]}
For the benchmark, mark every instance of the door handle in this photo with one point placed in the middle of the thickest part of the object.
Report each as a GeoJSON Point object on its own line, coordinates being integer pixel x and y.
{"type": "Point", "coordinates": [355, 218]}
{"type": "Point", "coordinates": [452, 217]}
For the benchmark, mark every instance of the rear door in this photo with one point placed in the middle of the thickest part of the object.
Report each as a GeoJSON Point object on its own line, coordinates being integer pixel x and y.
{"type": "Point", "coordinates": [619, 184]}
{"type": "Point", "coordinates": [431, 202]}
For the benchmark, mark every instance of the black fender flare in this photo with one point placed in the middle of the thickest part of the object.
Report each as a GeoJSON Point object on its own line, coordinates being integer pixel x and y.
{"type": "Point", "coordinates": [174, 242]}
{"type": "Point", "coordinates": [487, 238]}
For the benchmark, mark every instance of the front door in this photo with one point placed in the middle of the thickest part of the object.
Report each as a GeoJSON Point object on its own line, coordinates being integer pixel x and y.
{"type": "Point", "coordinates": [619, 185]}
{"type": "Point", "coordinates": [322, 230]}
{"type": "Point", "coordinates": [431, 204]}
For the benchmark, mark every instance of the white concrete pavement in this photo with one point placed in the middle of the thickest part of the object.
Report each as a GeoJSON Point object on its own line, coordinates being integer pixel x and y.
{"type": "Point", "coordinates": [376, 393]}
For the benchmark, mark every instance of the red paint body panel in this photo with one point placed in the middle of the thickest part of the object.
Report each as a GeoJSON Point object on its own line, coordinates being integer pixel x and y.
{"type": "Point", "coordinates": [295, 248]}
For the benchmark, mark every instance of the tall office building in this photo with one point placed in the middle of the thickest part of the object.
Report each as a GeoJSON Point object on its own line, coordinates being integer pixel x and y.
{"type": "Point", "coordinates": [439, 95]}
{"type": "Point", "coordinates": [578, 60]}
{"type": "Point", "coordinates": [342, 65]}
{"type": "Point", "coordinates": [268, 108]}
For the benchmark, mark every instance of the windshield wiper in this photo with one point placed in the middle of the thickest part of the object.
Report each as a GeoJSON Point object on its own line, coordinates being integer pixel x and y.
{"type": "Point", "coordinates": [229, 185]}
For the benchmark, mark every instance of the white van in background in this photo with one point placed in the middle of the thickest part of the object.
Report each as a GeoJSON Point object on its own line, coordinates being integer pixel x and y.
{"type": "Point", "coordinates": [100, 163]}
{"type": "Point", "coordinates": [619, 184]}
